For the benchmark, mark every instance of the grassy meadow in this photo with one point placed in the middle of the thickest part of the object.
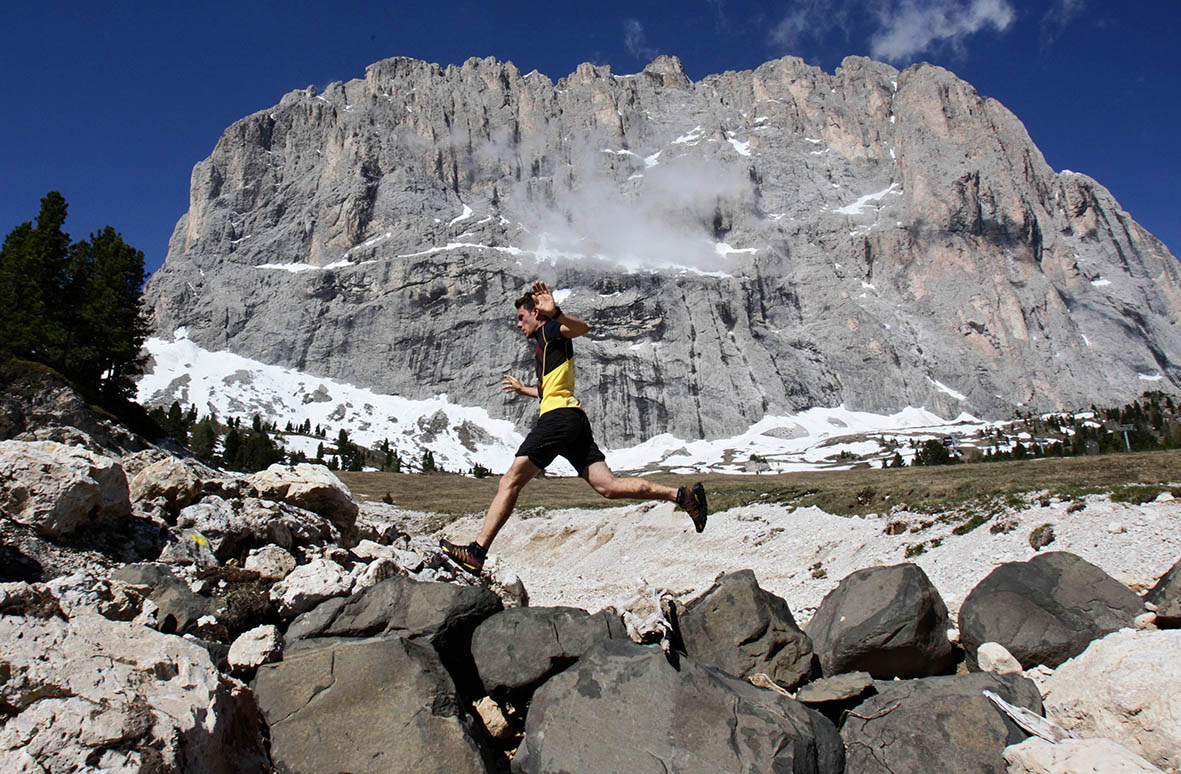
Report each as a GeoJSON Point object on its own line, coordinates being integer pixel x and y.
{"type": "Point", "coordinates": [1136, 477]}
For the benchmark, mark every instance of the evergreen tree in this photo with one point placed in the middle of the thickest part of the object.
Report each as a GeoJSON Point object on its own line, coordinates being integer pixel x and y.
{"type": "Point", "coordinates": [74, 307]}
{"type": "Point", "coordinates": [231, 448]}
{"type": "Point", "coordinates": [107, 327]}
{"type": "Point", "coordinates": [204, 439]}
{"type": "Point", "coordinates": [34, 281]}
{"type": "Point", "coordinates": [428, 461]}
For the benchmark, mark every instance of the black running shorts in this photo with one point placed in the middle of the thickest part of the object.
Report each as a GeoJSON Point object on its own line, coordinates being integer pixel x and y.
{"type": "Point", "coordinates": [565, 432]}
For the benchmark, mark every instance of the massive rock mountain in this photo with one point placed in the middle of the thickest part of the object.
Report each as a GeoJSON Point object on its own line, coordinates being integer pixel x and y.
{"type": "Point", "coordinates": [752, 243]}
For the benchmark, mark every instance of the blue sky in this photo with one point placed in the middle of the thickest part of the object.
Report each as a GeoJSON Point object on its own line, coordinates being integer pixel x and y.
{"type": "Point", "coordinates": [113, 103]}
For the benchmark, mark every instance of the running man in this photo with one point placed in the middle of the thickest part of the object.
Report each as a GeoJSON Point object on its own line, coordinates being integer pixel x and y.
{"type": "Point", "coordinates": [562, 429]}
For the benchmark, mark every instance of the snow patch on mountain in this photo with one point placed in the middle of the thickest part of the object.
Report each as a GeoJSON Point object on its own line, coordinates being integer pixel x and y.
{"type": "Point", "coordinates": [228, 385]}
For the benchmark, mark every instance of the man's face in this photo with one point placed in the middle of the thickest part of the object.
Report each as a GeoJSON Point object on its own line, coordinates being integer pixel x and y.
{"type": "Point", "coordinates": [528, 321]}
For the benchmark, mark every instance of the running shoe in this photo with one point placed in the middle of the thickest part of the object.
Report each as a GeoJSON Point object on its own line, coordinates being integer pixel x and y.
{"type": "Point", "coordinates": [693, 501]}
{"type": "Point", "coordinates": [469, 557]}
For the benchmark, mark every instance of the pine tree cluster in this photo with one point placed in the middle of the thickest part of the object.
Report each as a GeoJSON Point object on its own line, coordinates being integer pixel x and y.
{"type": "Point", "coordinates": [74, 306]}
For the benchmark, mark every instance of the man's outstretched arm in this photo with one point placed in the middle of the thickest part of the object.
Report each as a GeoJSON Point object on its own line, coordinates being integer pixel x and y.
{"type": "Point", "coordinates": [543, 298]}
{"type": "Point", "coordinates": [513, 384]}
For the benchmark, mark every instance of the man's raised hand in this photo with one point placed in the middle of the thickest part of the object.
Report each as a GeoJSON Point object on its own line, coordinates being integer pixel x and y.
{"type": "Point", "coordinates": [543, 299]}
{"type": "Point", "coordinates": [512, 384]}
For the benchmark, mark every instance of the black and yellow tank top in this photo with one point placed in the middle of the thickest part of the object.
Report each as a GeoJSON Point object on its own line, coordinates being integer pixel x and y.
{"type": "Point", "coordinates": [555, 368]}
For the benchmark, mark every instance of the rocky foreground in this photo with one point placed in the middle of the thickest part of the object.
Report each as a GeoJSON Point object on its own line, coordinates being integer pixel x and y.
{"type": "Point", "coordinates": [158, 615]}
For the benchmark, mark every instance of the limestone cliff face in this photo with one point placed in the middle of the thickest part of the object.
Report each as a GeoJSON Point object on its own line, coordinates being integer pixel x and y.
{"type": "Point", "coordinates": [753, 243]}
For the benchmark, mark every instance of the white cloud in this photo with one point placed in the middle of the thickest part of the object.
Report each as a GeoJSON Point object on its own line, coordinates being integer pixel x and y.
{"type": "Point", "coordinates": [636, 41]}
{"type": "Point", "coordinates": [1058, 16]}
{"type": "Point", "coordinates": [912, 27]}
{"type": "Point", "coordinates": [807, 20]}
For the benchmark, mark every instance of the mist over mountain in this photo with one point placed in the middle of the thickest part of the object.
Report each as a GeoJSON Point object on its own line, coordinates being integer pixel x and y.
{"type": "Point", "coordinates": [752, 244]}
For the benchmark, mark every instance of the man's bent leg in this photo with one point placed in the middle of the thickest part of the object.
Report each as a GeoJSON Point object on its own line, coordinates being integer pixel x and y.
{"type": "Point", "coordinates": [606, 483]}
{"type": "Point", "coordinates": [512, 482]}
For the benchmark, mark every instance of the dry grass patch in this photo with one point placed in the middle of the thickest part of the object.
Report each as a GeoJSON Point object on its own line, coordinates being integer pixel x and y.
{"type": "Point", "coordinates": [848, 492]}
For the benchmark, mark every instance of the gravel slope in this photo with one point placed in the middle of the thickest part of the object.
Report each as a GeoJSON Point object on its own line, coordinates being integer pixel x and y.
{"type": "Point", "coordinates": [596, 558]}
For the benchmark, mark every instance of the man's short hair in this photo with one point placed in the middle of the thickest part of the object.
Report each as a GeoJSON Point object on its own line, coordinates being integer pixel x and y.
{"type": "Point", "coordinates": [525, 302]}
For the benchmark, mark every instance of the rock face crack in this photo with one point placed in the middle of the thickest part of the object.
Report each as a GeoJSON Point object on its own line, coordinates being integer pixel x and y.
{"type": "Point", "coordinates": [320, 690]}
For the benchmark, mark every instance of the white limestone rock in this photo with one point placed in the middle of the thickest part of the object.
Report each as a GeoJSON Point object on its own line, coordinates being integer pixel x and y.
{"type": "Point", "coordinates": [270, 562]}
{"type": "Point", "coordinates": [313, 487]}
{"type": "Point", "coordinates": [310, 584]}
{"type": "Point", "coordinates": [93, 693]}
{"type": "Point", "coordinates": [253, 648]}
{"type": "Point", "coordinates": [168, 478]}
{"type": "Point", "coordinates": [993, 657]}
{"type": "Point", "coordinates": [1125, 687]}
{"type": "Point", "coordinates": [1075, 756]}
{"type": "Point", "coordinates": [55, 488]}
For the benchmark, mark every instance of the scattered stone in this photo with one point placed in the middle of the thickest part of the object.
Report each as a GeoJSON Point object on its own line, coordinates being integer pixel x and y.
{"type": "Point", "coordinates": [993, 657]}
{"type": "Point", "coordinates": [310, 584]}
{"type": "Point", "coordinates": [253, 648]}
{"type": "Point", "coordinates": [834, 696]}
{"type": "Point", "coordinates": [1124, 687]}
{"type": "Point", "coordinates": [495, 722]}
{"type": "Point", "coordinates": [270, 562]}
{"type": "Point", "coordinates": [1116, 528]}
{"type": "Point", "coordinates": [888, 621]}
{"type": "Point", "coordinates": [285, 525]}
{"type": "Point", "coordinates": [179, 609]}
{"type": "Point", "coordinates": [1076, 506]}
{"type": "Point", "coordinates": [895, 527]}
{"type": "Point", "coordinates": [1075, 756]}
{"type": "Point", "coordinates": [742, 629]}
{"type": "Point", "coordinates": [1146, 620]}
{"type": "Point", "coordinates": [25, 599]}
{"type": "Point", "coordinates": [1045, 610]}
{"type": "Point", "coordinates": [624, 708]}
{"type": "Point", "coordinates": [1042, 536]}
{"type": "Point", "coordinates": [219, 522]}
{"type": "Point", "coordinates": [504, 582]}
{"type": "Point", "coordinates": [189, 548]}
{"type": "Point", "coordinates": [366, 575]}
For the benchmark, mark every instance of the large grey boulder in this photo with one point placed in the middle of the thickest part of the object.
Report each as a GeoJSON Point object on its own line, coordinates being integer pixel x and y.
{"type": "Point", "coordinates": [94, 694]}
{"type": "Point", "coordinates": [1166, 596]}
{"type": "Point", "coordinates": [1045, 610]}
{"type": "Point", "coordinates": [1127, 687]}
{"type": "Point", "coordinates": [518, 649]}
{"type": "Point", "coordinates": [887, 621]}
{"type": "Point", "coordinates": [55, 488]}
{"type": "Point", "coordinates": [743, 629]}
{"type": "Point", "coordinates": [442, 615]}
{"type": "Point", "coordinates": [623, 707]}
{"type": "Point", "coordinates": [936, 724]}
{"type": "Point", "coordinates": [375, 704]}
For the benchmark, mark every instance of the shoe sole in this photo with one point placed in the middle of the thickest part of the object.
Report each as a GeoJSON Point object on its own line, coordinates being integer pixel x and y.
{"type": "Point", "coordinates": [698, 494]}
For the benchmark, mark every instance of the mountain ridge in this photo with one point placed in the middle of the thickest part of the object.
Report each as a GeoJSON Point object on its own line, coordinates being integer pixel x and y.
{"type": "Point", "coordinates": [749, 244]}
